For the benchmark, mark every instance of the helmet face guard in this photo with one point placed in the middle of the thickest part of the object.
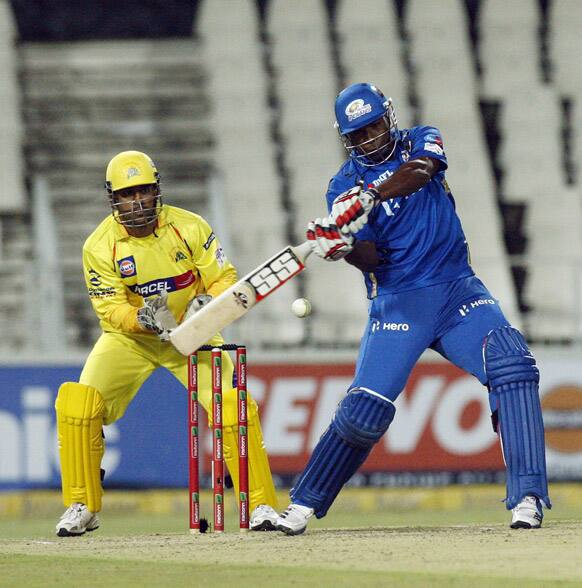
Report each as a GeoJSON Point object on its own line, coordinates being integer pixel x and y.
{"type": "Point", "coordinates": [142, 212]}
{"type": "Point", "coordinates": [357, 107]}
{"type": "Point", "coordinates": [130, 172]}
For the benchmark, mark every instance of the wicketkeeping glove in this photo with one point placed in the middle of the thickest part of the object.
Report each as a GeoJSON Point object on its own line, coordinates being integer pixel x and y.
{"type": "Point", "coordinates": [327, 241]}
{"type": "Point", "coordinates": [196, 304]}
{"type": "Point", "coordinates": [156, 316]}
{"type": "Point", "coordinates": [350, 210]}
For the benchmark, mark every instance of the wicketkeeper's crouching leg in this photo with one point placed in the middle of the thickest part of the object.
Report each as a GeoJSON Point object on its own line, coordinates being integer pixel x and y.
{"type": "Point", "coordinates": [80, 410]}
{"type": "Point", "coordinates": [513, 381]}
{"type": "Point", "coordinates": [261, 487]}
{"type": "Point", "coordinates": [361, 419]}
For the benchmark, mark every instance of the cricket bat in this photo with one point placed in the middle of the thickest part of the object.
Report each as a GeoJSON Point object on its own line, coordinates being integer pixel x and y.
{"type": "Point", "coordinates": [235, 302]}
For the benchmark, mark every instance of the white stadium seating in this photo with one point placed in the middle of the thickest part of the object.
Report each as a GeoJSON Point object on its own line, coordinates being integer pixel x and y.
{"type": "Point", "coordinates": [244, 157]}
{"type": "Point", "coordinates": [446, 83]}
{"type": "Point", "coordinates": [11, 134]}
{"type": "Point", "coordinates": [240, 120]}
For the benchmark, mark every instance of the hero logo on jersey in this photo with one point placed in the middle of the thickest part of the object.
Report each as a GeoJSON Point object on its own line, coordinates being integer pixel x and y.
{"type": "Point", "coordinates": [127, 266]}
{"type": "Point", "coordinates": [465, 309]}
{"type": "Point", "coordinates": [357, 108]}
{"type": "Point", "coordinates": [378, 326]}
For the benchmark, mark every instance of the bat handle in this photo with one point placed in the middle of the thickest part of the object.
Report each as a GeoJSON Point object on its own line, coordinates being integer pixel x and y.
{"type": "Point", "coordinates": [302, 251]}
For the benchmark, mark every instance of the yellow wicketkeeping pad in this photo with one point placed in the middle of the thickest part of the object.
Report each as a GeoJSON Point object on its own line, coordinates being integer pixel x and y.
{"type": "Point", "coordinates": [80, 411]}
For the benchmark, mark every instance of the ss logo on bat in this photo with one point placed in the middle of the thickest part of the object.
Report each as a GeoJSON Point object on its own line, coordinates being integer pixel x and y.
{"type": "Point", "coordinates": [275, 273]}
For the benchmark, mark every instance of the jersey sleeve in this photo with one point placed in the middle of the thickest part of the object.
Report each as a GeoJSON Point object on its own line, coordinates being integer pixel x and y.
{"type": "Point", "coordinates": [427, 142]}
{"type": "Point", "coordinates": [216, 271]}
{"type": "Point", "coordinates": [108, 293]}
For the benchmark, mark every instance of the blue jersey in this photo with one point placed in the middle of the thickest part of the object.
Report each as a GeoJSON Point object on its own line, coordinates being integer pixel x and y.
{"type": "Point", "coordinates": [419, 237]}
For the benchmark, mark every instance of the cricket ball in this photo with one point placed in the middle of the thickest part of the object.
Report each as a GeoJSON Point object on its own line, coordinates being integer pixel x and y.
{"type": "Point", "coordinates": [301, 307]}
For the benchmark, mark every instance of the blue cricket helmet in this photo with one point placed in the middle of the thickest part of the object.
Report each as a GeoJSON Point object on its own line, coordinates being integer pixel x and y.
{"type": "Point", "coordinates": [356, 107]}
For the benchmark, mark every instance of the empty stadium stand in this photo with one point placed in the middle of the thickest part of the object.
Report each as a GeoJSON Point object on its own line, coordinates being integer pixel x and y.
{"type": "Point", "coordinates": [239, 118]}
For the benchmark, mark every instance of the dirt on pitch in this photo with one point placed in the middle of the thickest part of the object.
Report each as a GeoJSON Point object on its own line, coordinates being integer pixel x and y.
{"type": "Point", "coordinates": [454, 555]}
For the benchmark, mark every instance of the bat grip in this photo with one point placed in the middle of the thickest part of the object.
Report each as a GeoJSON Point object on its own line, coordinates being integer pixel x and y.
{"type": "Point", "coordinates": [302, 251]}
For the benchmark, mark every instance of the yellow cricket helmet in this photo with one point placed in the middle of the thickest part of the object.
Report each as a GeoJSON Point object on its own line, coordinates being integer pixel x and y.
{"type": "Point", "coordinates": [128, 169]}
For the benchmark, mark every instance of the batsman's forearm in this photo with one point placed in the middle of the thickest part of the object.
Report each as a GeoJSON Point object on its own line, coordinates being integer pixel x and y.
{"type": "Point", "coordinates": [409, 178]}
{"type": "Point", "coordinates": [364, 256]}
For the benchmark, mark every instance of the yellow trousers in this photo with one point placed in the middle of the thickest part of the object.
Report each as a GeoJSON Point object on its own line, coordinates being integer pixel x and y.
{"type": "Point", "coordinates": [120, 363]}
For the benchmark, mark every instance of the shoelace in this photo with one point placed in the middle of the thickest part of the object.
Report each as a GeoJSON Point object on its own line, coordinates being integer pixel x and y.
{"type": "Point", "coordinates": [288, 511]}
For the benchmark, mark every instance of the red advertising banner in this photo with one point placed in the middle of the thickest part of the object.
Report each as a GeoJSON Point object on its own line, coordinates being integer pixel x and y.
{"type": "Point", "coordinates": [442, 419]}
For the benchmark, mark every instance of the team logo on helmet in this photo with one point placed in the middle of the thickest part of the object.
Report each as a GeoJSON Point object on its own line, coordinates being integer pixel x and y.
{"type": "Point", "coordinates": [357, 108]}
{"type": "Point", "coordinates": [132, 172]}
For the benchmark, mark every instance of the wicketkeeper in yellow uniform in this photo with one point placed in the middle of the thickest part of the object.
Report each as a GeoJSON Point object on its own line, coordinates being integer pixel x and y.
{"type": "Point", "coordinates": [147, 266]}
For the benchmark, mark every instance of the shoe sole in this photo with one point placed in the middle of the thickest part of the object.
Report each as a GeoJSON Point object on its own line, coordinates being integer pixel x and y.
{"type": "Point", "coordinates": [264, 526]}
{"type": "Point", "coordinates": [524, 525]}
{"type": "Point", "coordinates": [291, 532]}
{"type": "Point", "coordinates": [62, 532]}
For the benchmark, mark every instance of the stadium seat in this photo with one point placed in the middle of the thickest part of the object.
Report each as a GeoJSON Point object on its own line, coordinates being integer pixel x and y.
{"type": "Point", "coordinates": [244, 150]}
{"type": "Point", "coordinates": [565, 44]}
{"type": "Point", "coordinates": [531, 149]}
{"type": "Point", "coordinates": [306, 90]}
{"type": "Point", "coordinates": [371, 50]}
{"type": "Point", "coordinates": [554, 260]}
{"type": "Point", "coordinates": [11, 163]}
{"type": "Point", "coordinates": [509, 47]}
{"type": "Point", "coordinates": [447, 94]}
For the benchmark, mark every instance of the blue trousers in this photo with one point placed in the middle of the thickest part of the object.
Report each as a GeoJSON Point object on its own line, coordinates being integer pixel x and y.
{"type": "Point", "coordinates": [452, 318]}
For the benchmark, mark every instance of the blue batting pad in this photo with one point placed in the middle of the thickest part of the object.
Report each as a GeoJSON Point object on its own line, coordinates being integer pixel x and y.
{"type": "Point", "coordinates": [513, 379]}
{"type": "Point", "coordinates": [359, 422]}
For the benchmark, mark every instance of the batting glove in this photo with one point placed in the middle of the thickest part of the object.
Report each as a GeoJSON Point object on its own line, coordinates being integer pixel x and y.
{"type": "Point", "coordinates": [156, 316]}
{"type": "Point", "coordinates": [327, 241]}
{"type": "Point", "coordinates": [350, 210]}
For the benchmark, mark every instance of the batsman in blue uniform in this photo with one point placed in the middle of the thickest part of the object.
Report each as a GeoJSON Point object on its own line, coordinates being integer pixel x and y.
{"type": "Point", "coordinates": [393, 216]}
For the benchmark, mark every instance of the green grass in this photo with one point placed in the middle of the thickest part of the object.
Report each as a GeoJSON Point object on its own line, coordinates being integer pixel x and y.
{"type": "Point", "coordinates": [89, 571]}
{"type": "Point", "coordinates": [116, 525]}
{"type": "Point", "coordinates": [384, 540]}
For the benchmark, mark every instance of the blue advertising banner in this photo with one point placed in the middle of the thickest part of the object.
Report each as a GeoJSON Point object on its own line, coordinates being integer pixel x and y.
{"type": "Point", "coordinates": [441, 434]}
{"type": "Point", "coordinates": [146, 448]}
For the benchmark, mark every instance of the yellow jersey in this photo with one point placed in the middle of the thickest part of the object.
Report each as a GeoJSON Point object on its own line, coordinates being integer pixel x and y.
{"type": "Point", "coordinates": [182, 257]}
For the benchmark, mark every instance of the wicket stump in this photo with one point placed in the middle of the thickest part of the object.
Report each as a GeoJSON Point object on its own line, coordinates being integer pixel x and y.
{"type": "Point", "coordinates": [217, 437]}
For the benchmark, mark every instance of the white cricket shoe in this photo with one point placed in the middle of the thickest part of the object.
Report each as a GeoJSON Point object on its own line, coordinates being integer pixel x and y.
{"type": "Point", "coordinates": [293, 521]}
{"type": "Point", "coordinates": [527, 514]}
{"type": "Point", "coordinates": [263, 518]}
{"type": "Point", "coordinates": [76, 520]}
